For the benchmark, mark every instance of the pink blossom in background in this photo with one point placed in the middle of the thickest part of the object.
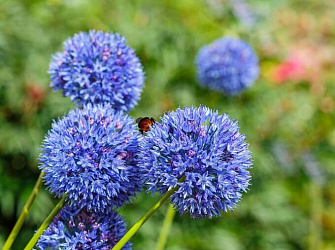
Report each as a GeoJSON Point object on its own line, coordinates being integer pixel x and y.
{"type": "Point", "coordinates": [291, 69]}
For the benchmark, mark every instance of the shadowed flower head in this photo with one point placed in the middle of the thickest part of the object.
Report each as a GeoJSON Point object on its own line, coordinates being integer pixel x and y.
{"type": "Point", "coordinates": [98, 67]}
{"type": "Point", "coordinates": [228, 65]}
{"type": "Point", "coordinates": [208, 150]}
{"type": "Point", "coordinates": [90, 155]}
{"type": "Point", "coordinates": [82, 229]}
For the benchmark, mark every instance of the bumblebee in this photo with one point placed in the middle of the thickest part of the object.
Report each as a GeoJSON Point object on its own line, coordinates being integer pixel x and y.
{"type": "Point", "coordinates": [144, 123]}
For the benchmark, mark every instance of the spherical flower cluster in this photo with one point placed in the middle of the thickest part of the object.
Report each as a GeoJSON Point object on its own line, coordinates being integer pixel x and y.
{"type": "Point", "coordinates": [228, 65]}
{"type": "Point", "coordinates": [90, 154]}
{"type": "Point", "coordinates": [98, 67]}
{"type": "Point", "coordinates": [82, 229]}
{"type": "Point", "coordinates": [204, 148]}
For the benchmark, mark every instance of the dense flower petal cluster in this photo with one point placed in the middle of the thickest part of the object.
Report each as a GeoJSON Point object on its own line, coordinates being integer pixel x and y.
{"type": "Point", "coordinates": [98, 67]}
{"type": "Point", "coordinates": [228, 65]}
{"type": "Point", "coordinates": [205, 148]}
{"type": "Point", "coordinates": [82, 229]}
{"type": "Point", "coordinates": [90, 154]}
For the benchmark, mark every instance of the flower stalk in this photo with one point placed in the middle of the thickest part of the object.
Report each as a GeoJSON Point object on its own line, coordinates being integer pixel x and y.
{"type": "Point", "coordinates": [145, 217]}
{"type": "Point", "coordinates": [46, 223]}
{"type": "Point", "coordinates": [166, 227]}
{"type": "Point", "coordinates": [24, 213]}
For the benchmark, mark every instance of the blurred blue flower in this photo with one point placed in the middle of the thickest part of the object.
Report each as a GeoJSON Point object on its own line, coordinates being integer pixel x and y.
{"type": "Point", "coordinates": [228, 65]}
{"type": "Point", "coordinates": [98, 67]}
{"type": "Point", "coordinates": [205, 148]}
{"type": "Point", "coordinates": [244, 13]}
{"type": "Point", "coordinates": [81, 229]}
{"type": "Point", "coordinates": [90, 154]}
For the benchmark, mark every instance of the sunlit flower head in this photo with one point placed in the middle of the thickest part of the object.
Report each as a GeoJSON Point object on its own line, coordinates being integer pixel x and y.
{"type": "Point", "coordinates": [98, 67]}
{"type": "Point", "coordinates": [205, 148]}
{"type": "Point", "coordinates": [90, 154]}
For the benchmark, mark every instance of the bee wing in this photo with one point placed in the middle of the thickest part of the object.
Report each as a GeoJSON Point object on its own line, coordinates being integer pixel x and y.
{"type": "Point", "coordinates": [139, 119]}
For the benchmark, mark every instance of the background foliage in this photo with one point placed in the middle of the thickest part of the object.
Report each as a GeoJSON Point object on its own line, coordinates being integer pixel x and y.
{"type": "Point", "coordinates": [288, 115]}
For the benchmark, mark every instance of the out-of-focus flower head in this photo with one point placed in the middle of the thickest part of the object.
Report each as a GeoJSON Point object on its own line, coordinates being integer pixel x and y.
{"type": "Point", "coordinates": [90, 154]}
{"type": "Point", "coordinates": [291, 69]}
{"type": "Point", "coordinates": [228, 65]}
{"type": "Point", "coordinates": [36, 94]}
{"type": "Point", "coordinates": [81, 229]}
{"type": "Point", "coordinates": [205, 148]}
{"type": "Point", "coordinates": [244, 13]}
{"type": "Point", "coordinates": [98, 67]}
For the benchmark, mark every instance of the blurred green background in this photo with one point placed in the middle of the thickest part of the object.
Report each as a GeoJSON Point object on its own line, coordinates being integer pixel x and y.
{"type": "Point", "coordinates": [287, 115]}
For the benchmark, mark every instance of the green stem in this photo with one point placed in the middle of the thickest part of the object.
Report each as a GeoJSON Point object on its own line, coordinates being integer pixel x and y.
{"type": "Point", "coordinates": [315, 239]}
{"type": "Point", "coordinates": [166, 227]}
{"type": "Point", "coordinates": [15, 231]}
{"type": "Point", "coordinates": [144, 218]}
{"type": "Point", "coordinates": [45, 224]}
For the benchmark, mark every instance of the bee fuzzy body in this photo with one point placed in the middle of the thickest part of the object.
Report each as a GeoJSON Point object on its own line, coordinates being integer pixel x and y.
{"type": "Point", "coordinates": [145, 123]}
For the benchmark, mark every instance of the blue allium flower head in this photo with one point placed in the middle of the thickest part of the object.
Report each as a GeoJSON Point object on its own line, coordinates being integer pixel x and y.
{"type": "Point", "coordinates": [90, 154]}
{"type": "Point", "coordinates": [205, 148]}
{"type": "Point", "coordinates": [82, 229]}
{"type": "Point", "coordinates": [228, 65]}
{"type": "Point", "coordinates": [98, 67]}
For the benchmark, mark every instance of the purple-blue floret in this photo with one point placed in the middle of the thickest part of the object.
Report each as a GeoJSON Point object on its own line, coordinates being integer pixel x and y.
{"type": "Point", "coordinates": [205, 148]}
{"type": "Point", "coordinates": [228, 65]}
{"type": "Point", "coordinates": [98, 67]}
{"type": "Point", "coordinates": [90, 154]}
{"type": "Point", "coordinates": [82, 229]}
